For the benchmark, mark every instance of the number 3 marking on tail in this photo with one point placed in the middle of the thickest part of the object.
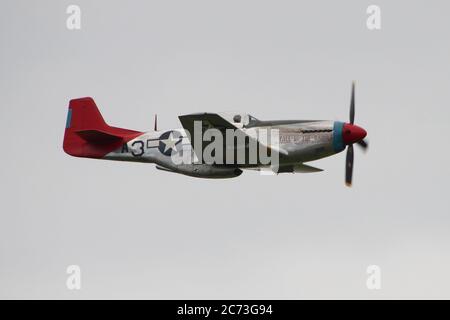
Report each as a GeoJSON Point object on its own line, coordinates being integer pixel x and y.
{"type": "Point", "coordinates": [140, 151]}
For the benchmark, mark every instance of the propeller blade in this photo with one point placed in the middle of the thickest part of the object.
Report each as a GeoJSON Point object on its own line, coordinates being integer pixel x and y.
{"type": "Point", "coordinates": [352, 104]}
{"type": "Point", "coordinates": [156, 122]}
{"type": "Point", "coordinates": [363, 144]}
{"type": "Point", "coordinates": [349, 166]}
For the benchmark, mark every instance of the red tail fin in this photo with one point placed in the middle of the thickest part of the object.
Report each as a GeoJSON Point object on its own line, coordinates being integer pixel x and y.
{"type": "Point", "coordinates": [88, 135]}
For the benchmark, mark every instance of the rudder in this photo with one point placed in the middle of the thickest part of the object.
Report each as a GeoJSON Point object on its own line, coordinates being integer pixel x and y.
{"type": "Point", "coordinates": [83, 114]}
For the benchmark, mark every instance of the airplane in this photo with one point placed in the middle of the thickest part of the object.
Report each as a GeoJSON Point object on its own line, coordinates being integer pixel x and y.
{"type": "Point", "coordinates": [299, 141]}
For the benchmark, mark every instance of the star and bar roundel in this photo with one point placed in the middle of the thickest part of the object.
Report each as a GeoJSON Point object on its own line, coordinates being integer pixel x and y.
{"type": "Point", "coordinates": [168, 142]}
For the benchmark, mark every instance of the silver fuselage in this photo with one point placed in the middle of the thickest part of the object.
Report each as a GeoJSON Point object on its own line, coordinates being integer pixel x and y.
{"type": "Point", "coordinates": [300, 141]}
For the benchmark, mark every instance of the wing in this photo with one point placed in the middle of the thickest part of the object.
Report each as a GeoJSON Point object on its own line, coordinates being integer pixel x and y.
{"type": "Point", "coordinates": [297, 168]}
{"type": "Point", "coordinates": [213, 120]}
{"type": "Point", "coordinates": [208, 121]}
{"type": "Point", "coordinates": [286, 168]}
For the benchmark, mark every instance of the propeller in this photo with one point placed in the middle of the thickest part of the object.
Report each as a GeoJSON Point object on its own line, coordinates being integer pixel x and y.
{"type": "Point", "coordinates": [352, 104]}
{"type": "Point", "coordinates": [156, 122]}
{"type": "Point", "coordinates": [354, 135]}
{"type": "Point", "coordinates": [363, 144]}
{"type": "Point", "coordinates": [349, 166]}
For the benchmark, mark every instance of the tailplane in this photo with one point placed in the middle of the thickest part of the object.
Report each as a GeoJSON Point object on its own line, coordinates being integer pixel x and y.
{"type": "Point", "coordinates": [88, 135]}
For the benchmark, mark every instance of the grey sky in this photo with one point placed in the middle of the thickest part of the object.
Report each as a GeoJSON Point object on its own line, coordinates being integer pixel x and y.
{"type": "Point", "coordinates": [141, 233]}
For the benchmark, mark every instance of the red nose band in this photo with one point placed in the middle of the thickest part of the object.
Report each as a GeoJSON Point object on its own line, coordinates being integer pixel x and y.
{"type": "Point", "coordinates": [352, 133]}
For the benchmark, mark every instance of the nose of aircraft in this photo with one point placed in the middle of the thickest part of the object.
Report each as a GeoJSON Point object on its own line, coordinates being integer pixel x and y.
{"type": "Point", "coordinates": [352, 133]}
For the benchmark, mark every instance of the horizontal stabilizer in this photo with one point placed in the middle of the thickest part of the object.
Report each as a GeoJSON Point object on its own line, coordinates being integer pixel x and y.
{"type": "Point", "coordinates": [98, 136]}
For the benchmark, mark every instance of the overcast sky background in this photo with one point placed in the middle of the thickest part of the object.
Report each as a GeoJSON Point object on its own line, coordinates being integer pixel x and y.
{"type": "Point", "coordinates": [137, 232]}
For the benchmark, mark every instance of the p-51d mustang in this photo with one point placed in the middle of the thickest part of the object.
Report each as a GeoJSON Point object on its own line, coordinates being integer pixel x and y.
{"type": "Point", "coordinates": [297, 141]}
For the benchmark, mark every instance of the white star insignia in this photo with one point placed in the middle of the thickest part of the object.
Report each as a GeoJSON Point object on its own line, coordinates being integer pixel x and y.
{"type": "Point", "coordinates": [170, 143]}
